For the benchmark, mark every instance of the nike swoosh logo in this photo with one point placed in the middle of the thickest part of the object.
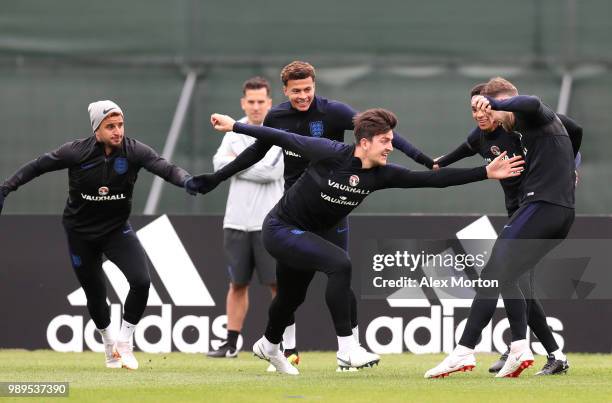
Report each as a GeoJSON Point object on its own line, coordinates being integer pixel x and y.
{"type": "Point", "coordinates": [90, 165]}
{"type": "Point", "coordinates": [344, 361]}
{"type": "Point", "coordinates": [127, 231]}
{"type": "Point", "coordinates": [341, 230]}
{"type": "Point", "coordinates": [105, 111]}
{"type": "Point", "coordinates": [261, 354]}
{"type": "Point", "coordinates": [507, 226]}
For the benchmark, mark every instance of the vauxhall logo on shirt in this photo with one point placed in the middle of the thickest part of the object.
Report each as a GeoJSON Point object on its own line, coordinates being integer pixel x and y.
{"type": "Point", "coordinates": [353, 181]}
{"type": "Point", "coordinates": [350, 188]}
{"type": "Point", "coordinates": [103, 195]}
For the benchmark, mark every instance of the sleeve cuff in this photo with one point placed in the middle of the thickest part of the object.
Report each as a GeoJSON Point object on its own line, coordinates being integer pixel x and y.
{"type": "Point", "coordinates": [424, 160]}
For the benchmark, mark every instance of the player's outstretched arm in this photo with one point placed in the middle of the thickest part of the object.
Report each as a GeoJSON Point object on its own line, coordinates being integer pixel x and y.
{"type": "Point", "coordinates": [502, 167]}
{"type": "Point", "coordinates": [207, 182]}
{"type": "Point", "coordinates": [459, 153]}
{"type": "Point", "coordinates": [527, 104]}
{"type": "Point", "coordinates": [58, 159]}
{"type": "Point", "coordinates": [246, 159]}
{"type": "Point", "coordinates": [411, 151]}
{"type": "Point", "coordinates": [398, 177]}
{"type": "Point", "coordinates": [266, 170]}
{"type": "Point", "coordinates": [154, 163]}
{"type": "Point", "coordinates": [312, 148]}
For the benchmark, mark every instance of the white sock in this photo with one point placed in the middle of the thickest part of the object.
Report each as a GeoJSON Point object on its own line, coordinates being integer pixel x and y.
{"type": "Point", "coordinates": [126, 332]}
{"type": "Point", "coordinates": [289, 337]}
{"type": "Point", "coordinates": [356, 333]}
{"type": "Point", "coordinates": [559, 355]}
{"type": "Point", "coordinates": [518, 345]}
{"type": "Point", "coordinates": [108, 335]}
{"type": "Point", "coordinates": [346, 343]}
{"type": "Point", "coordinates": [462, 350]}
{"type": "Point", "coordinates": [270, 347]}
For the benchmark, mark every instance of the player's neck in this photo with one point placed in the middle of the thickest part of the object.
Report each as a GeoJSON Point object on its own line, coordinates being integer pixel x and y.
{"type": "Point", "coordinates": [360, 153]}
{"type": "Point", "coordinates": [108, 149]}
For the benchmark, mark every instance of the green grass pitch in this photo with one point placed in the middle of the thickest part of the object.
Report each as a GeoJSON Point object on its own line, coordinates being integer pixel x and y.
{"type": "Point", "coordinates": [181, 377]}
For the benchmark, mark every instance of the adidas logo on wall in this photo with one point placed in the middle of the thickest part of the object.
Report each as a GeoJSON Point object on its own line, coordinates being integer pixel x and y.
{"type": "Point", "coordinates": [477, 237]}
{"type": "Point", "coordinates": [182, 282]}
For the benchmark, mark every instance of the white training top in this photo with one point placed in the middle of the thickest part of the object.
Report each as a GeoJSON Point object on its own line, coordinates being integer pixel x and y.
{"type": "Point", "coordinates": [254, 191]}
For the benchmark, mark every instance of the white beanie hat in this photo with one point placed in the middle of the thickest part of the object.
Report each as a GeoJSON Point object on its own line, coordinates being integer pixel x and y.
{"type": "Point", "coordinates": [99, 110]}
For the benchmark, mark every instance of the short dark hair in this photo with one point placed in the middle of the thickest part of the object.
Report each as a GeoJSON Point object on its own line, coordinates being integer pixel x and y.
{"type": "Point", "coordinates": [297, 70]}
{"type": "Point", "coordinates": [372, 122]}
{"type": "Point", "coordinates": [499, 86]}
{"type": "Point", "coordinates": [255, 83]}
{"type": "Point", "coordinates": [477, 89]}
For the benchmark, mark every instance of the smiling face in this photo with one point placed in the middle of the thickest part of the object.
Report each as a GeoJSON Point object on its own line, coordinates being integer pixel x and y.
{"type": "Point", "coordinates": [484, 120]}
{"type": "Point", "coordinates": [373, 135]}
{"type": "Point", "coordinates": [110, 132]}
{"type": "Point", "coordinates": [377, 149]}
{"type": "Point", "coordinates": [300, 93]}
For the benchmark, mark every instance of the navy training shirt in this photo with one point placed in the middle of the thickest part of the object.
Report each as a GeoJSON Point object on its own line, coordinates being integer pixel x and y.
{"type": "Point", "coordinates": [100, 186]}
{"type": "Point", "coordinates": [324, 119]}
{"type": "Point", "coordinates": [489, 145]}
{"type": "Point", "coordinates": [335, 183]}
{"type": "Point", "coordinates": [549, 162]}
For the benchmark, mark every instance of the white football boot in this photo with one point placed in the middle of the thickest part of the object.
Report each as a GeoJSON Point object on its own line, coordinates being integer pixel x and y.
{"type": "Point", "coordinates": [357, 357]}
{"type": "Point", "coordinates": [278, 359]}
{"type": "Point", "coordinates": [453, 363]}
{"type": "Point", "coordinates": [519, 359]}
{"type": "Point", "coordinates": [113, 359]}
{"type": "Point", "coordinates": [125, 350]}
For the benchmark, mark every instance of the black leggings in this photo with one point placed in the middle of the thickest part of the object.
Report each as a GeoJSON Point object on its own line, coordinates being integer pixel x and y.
{"type": "Point", "coordinates": [534, 230]}
{"type": "Point", "coordinates": [123, 248]}
{"type": "Point", "coordinates": [300, 254]}
{"type": "Point", "coordinates": [536, 317]}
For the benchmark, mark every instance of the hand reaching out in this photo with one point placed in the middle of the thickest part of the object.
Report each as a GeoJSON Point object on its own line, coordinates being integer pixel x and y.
{"type": "Point", "coordinates": [503, 167]}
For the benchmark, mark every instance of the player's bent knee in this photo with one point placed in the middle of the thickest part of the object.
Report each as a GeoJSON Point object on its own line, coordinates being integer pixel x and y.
{"type": "Point", "coordinates": [141, 284]}
{"type": "Point", "coordinates": [341, 266]}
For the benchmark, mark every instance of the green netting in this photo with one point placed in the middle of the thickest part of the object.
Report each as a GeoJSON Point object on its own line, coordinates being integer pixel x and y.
{"type": "Point", "coordinates": [591, 105]}
{"type": "Point", "coordinates": [418, 59]}
{"type": "Point", "coordinates": [524, 30]}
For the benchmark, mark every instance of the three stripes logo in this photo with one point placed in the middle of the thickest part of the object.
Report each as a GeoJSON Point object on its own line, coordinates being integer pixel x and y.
{"type": "Point", "coordinates": [475, 238]}
{"type": "Point", "coordinates": [180, 278]}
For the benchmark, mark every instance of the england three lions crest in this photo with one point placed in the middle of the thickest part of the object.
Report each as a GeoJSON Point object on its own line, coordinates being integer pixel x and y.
{"type": "Point", "coordinates": [120, 165]}
{"type": "Point", "coordinates": [316, 128]}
